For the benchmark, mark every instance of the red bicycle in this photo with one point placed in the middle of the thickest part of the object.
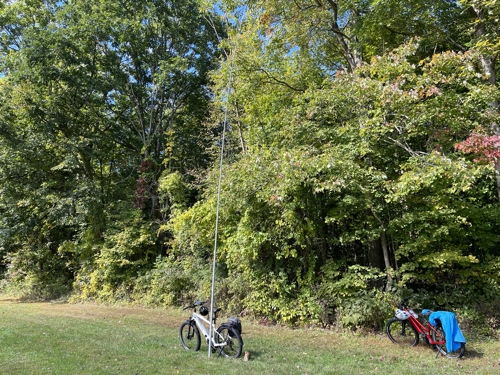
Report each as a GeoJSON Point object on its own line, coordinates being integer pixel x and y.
{"type": "Point", "coordinates": [404, 329]}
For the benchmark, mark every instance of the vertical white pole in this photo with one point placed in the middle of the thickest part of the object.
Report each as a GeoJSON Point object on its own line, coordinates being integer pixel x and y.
{"type": "Point", "coordinates": [216, 228]}
{"type": "Point", "coordinates": [218, 196]}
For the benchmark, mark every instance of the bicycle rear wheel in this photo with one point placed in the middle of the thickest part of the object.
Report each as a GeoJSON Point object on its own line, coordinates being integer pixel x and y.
{"type": "Point", "coordinates": [401, 332]}
{"type": "Point", "coordinates": [190, 336]}
{"type": "Point", "coordinates": [233, 344]}
{"type": "Point", "coordinates": [439, 336]}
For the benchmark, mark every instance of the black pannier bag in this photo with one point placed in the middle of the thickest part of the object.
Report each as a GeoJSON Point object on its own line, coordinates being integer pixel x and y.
{"type": "Point", "coordinates": [235, 323]}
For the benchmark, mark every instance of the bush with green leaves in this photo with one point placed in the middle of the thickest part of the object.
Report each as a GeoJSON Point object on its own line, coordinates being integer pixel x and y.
{"type": "Point", "coordinates": [369, 157]}
{"type": "Point", "coordinates": [126, 253]}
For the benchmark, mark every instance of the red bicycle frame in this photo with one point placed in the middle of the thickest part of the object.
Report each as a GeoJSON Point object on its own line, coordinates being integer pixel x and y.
{"type": "Point", "coordinates": [425, 331]}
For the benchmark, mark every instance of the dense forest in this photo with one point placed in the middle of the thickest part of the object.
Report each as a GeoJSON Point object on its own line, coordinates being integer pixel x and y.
{"type": "Point", "coordinates": [361, 158]}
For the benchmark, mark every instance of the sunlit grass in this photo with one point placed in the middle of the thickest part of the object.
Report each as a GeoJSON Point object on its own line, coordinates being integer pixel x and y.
{"type": "Point", "coordinates": [48, 338]}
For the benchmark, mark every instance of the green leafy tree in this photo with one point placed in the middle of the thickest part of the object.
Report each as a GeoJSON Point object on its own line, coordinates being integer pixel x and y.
{"type": "Point", "coordinates": [380, 140]}
{"type": "Point", "coordinates": [95, 95]}
{"type": "Point", "coordinates": [486, 38]}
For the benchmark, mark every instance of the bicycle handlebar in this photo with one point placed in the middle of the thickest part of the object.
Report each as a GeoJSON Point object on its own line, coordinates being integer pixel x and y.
{"type": "Point", "coordinates": [194, 304]}
{"type": "Point", "coordinates": [403, 302]}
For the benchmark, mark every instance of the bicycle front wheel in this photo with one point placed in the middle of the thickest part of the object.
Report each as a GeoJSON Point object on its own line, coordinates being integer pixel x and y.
{"type": "Point", "coordinates": [231, 340]}
{"type": "Point", "coordinates": [439, 335]}
{"type": "Point", "coordinates": [190, 336]}
{"type": "Point", "coordinates": [401, 332]}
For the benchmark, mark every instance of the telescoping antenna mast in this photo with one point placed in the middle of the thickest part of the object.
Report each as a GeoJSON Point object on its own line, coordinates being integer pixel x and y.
{"type": "Point", "coordinates": [218, 191]}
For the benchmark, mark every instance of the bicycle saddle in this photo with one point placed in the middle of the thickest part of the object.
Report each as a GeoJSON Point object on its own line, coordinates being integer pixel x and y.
{"type": "Point", "coordinates": [427, 312]}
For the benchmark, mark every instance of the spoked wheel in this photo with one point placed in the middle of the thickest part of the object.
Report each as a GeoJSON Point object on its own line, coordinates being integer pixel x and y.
{"type": "Point", "coordinates": [440, 336]}
{"type": "Point", "coordinates": [190, 336]}
{"type": "Point", "coordinates": [233, 344]}
{"type": "Point", "coordinates": [401, 332]}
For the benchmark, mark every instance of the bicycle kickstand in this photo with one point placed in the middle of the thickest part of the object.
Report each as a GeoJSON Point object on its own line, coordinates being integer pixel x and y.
{"type": "Point", "coordinates": [219, 349]}
{"type": "Point", "coordinates": [220, 352]}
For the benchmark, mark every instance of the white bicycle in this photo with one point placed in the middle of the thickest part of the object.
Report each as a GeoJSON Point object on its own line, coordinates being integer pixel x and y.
{"type": "Point", "coordinates": [226, 339]}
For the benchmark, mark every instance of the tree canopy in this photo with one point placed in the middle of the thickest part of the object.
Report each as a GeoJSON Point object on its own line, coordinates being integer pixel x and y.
{"type": "Point", "coordinates": [362, 159]}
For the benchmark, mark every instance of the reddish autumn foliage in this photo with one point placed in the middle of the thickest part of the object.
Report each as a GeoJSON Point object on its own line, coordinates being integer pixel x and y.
{"type": "Point", "coordinates": [487, 148]}
{"type": "Point", "coordinates": [140, 191]}
{"type": "Point", "coordinates": [145, 165]}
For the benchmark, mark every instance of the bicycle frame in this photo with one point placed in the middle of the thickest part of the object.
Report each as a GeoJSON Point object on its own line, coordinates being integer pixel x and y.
{"type": "Point", "coordinates": [426, 331]}
{"type": "Point", "coordinates": [199, 320]}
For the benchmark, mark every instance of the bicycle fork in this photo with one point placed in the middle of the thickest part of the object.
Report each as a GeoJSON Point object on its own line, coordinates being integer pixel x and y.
{"type": "Point", "coordinates": [190, 332]}
{"type": "Point", "coordinates": [403, 328]}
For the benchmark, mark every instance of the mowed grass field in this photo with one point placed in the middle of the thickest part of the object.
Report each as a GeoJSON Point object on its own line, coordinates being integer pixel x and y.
{"type": "Point", "coordinates": [52, 338]}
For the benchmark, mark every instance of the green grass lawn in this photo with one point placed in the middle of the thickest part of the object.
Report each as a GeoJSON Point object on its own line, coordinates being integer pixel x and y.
{"type": "Point", "coordinates": [51, 338]}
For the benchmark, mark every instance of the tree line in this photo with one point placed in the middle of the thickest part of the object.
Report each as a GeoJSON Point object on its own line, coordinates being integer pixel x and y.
{"type": "Point", "coordinates": [361, 160]}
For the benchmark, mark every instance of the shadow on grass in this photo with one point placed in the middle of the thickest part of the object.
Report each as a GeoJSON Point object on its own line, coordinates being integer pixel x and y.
{"type": "Point", "coordinates": [10, 300]}
{"type": "Point", "coordinates": [471, 353]}
{"type": "Point", "coordinates": [253, 354]}
{"type": "Point", "coordinates": [32, 299]}
{"type": "Point", "coordinates": [59, 302]}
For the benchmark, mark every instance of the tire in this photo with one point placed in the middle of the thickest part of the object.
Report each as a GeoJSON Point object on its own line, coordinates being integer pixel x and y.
{"type": "Point", "coordinates": [401, 332]}
{"type": "Point", "coordinates": [232, 339]}
{"type": "Point", "coordinates": [190, 336]}
{"type": "Point", "coordinates": [442, 348]}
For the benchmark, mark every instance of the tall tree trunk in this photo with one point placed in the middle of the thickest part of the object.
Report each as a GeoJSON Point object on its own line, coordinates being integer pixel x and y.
{"type": "Point", "coordinates": [351, 46]}
{"type": "Point", "coordinates": [385, 249]}
{"type": "Point", "coordinates": [376, 255]}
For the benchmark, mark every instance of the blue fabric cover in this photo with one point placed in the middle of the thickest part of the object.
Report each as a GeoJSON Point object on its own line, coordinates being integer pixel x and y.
{"type": "Point", "coordinates": [450, 328]}
{"type": "Point", "coordinates": [424, 311]}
